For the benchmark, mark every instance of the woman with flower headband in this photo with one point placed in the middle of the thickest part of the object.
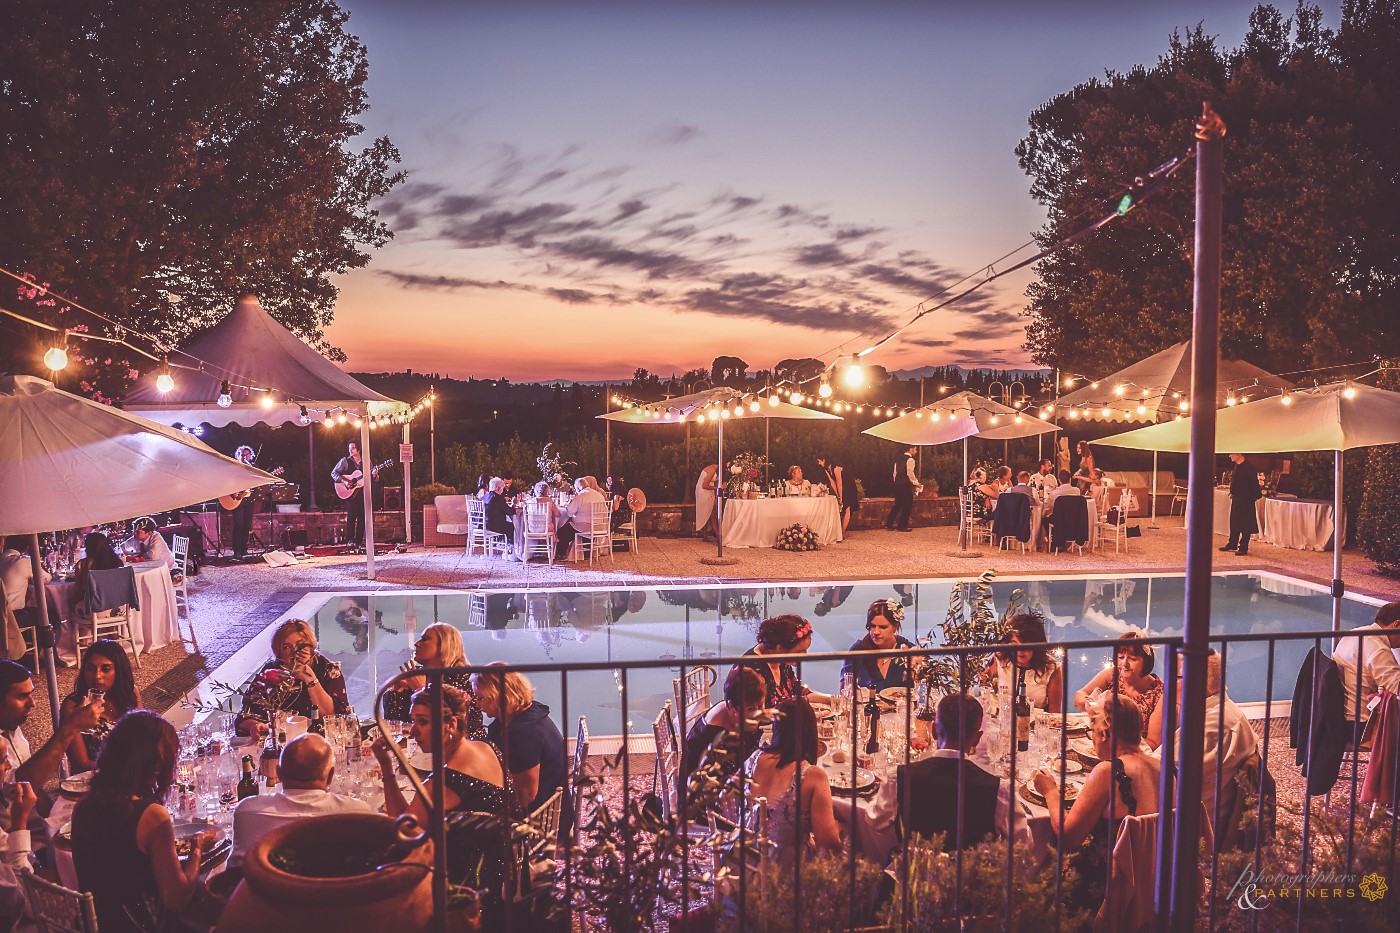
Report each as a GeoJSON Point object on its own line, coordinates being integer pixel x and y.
{"type": "Point", "coordinates": [1134, 661]}
{"type": "Point", "coordinates": [316, 682]}
{"type": "Point", "coordinates": [882, 623]}
{"type": "Point", "coordinates": [784, 634]}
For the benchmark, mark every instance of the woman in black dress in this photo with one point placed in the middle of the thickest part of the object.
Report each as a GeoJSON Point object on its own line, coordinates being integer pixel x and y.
{"type": "Point", "coordinates": [843, 487]}
{"type": "Point", "coordinates": [473, 781]}
{"type": "Point", "coordinates": [882, 624]}
{"type": "Point", "coordinates": [730, 721]}
{"type": "Point", "coordinates": [440, 645]}
{"type": "Point", "coordinates": [123, 838]}
{"type": "Point", "coordinates": [784, 634]}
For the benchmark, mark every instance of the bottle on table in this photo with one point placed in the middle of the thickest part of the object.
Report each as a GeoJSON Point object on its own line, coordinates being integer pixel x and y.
{"type": "Point", "coordinates": [267, 762]}
{"type": "Point", "coordinates": [1023, 715]}
{"type": "Point", "coordinates": [248, 784]}
{"type": "Point", "coordinates": [872, 715]}
{"type": "Point", "coordinates": [924, 710]}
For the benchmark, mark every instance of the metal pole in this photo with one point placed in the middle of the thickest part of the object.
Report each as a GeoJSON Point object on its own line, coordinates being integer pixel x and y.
{"type": "Point", "coordinates": [766, 464]}
{"type": "Point", "coordinates": [432, 433]}
{"type": "Point", "coordinates": [368, 460]}
{"type": "Point", "coordinates": [311, 466]}
{"type": "Point", "coordinates": [1152, 491]}
{"type": "Point", "coordinates": [43, 634]}
{"type": "Point", "coordinates": [921, 405]}
{"type": "Point", "coordinates": [719, 495]}
{"type": "Point", "coordinates": [1338, 537]}
{"type": "Point", "coordinates": [407, 490]}
{"type": "Point", "coordinates": [607, 433]}
{"type": "Point", "coordinates": [1205, 363]}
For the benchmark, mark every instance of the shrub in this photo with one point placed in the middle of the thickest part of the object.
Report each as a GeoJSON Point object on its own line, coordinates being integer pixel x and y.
{"type": "Point", "coordinates": [425, 494]}
{"type": "Point", "coordinates": [1378, 530]}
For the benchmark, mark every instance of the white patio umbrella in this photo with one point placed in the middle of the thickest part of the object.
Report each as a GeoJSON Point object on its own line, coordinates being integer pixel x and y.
{"type": "Point", "coordinates": [1159, 387]}
{"type": "Point", "coordinates": [716, 406]}
{"type": "Point", "coordinates": [1337, 417]}
{"type": "Point", "coordinates": [69, 462]}
{"type": "Point", "coordinates": [956, 418]}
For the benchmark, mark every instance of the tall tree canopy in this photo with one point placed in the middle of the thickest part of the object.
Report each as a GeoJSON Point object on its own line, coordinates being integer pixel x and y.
{"type": "Point", "coordinates": [160, 157]}
{"type": "Point", "coordinates": [1311, 202]}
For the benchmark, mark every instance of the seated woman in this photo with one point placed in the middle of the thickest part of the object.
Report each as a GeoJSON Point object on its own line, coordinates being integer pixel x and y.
{"type": "Point", "coordinates": [440, 645]}
{"type": "Point", "coordinates": [483, 485]}
{"type": "Point", "coordinates": [729, 722]}
{"type": "Point", "coordinates": [795, 485]}
{"type": "Point", "coordinates": [1043, 676]}
{"type": "Point", "coordinates": [784, 634]}
{"type": "Point", "coordinates": [473, 781]}
{"type": "Point", "coordinates": [1124, 782]}
{"type": "Point", "coordinates": [984, 494]}
{"type": "Point", "coordinates": [106, 668]}
{"type": "Point", "coordinates": [532, 744]}
{"type": "Point", "coordinates": [98, 555]}
{"type": "Point", "coordinates": [794, 798]}
{"type": "Point", "coordinates": [318, 685]}
{"type": "Point", "coordinates": [500, 514]}
{"type": "Point", "coordinates": [123, 838]}
{"type": "Point", "coordinates": [882, 623]}
{"type": "Point", "coordinates": [1134, 662]}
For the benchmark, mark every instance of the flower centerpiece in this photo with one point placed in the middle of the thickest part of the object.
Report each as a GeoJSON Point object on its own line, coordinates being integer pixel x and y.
{"type": "Point", "coordinates": [971, 621]}
{"type": "Point", "coordinates": [797, 537]}
{"type": "Point", "coordinates": [554, 469]}
{"type": "Point", "coordinates": [273, 690]}
{"type": "Point", "coordinates": [745, 470]}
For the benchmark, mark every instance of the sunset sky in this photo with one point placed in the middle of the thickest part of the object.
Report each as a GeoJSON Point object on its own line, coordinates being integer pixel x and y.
{"type": "Point", "coordinates": [598, 186]}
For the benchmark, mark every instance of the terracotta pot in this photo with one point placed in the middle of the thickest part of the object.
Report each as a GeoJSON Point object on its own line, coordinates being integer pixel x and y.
{"type": "Point", "coordinates": [270, 900]}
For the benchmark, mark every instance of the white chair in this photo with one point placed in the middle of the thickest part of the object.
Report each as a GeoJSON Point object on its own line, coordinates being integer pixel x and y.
{"type": "Point", "coordinates": [111, 616]}
{"type": "Point", "coordinates": [627, 531]}
{"type": "Point", "coordinates": [180, 550]}
{"type": "Point", "coordinates": [1178, 498]}
{"type": "Point", "coordinates": [539, 536]}
{"type": "Point", "coordinates": [599, 533]}
{"type": "Point", "coordinates": [58, 909]}
{"type": "Point", "coordinates": [478, 536]}
{"type": "Point", "coordinates": [579, 772]}
{"type": "Point", "coordinates": [976, 527]}
{"type": "Point", "coordinates": [668, 756]}
{"type": "Point", "coordinates": [696, 703]}
{"type": "Point", "coordinates": [1114, 522]}
{"type": "Point", "coordinates": [730, 860]}
{"type": "Point", "coordinates": [544, 823]}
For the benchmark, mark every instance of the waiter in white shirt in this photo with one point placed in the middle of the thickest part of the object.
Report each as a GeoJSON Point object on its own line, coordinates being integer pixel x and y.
{"type": "Point", "coordinates": [906, 487]}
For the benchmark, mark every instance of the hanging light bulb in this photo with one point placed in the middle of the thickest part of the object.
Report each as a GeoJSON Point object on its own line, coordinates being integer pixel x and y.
{"type": "Point", "coordinates": [1049, 409]}
{"type": "Point", "coordinates": [1044, 415]}
{"type": "Point", "coordinates": [1349, 391]}
{"type": "Point", "coordinates": [57, 356]}
{"type": "Point", "coordinates": [1105, 412]}
{"type": "Point", "coordinates": [1183, 405]}
{"type": "Point", "coordinates": [1231, 401]}
{"type": "Point", "coordinates": [824, 390]}
{"type": "Point", "coordinates": [1119, 389]}
{"type": "Point", "coordinates": [164, 382]}
{"type": "Point", "coordinates": [303, 418]}
{"type": "Point", "coordinates": [225, 394]}
{"type": "Point", "coordinates": [773, 401]}
{"type": "Point", "coordinates": [860, 409]}
{"type": "Point", "coordinates": [1073, 415]}
{"type": "Point", "coordinates": [329, 422]}
{"type": "Point", "coordinates": [1017, 419]}
{"type": "Point", "coordinates": [918, 414]}
{"type": "Point", "coordinates": [359, 422]}
{"type": "Point", "coordinates": [1093, 385]}
{"type": "Point", "coordinates": [796, 398]}
{"type": "Point", "coordinates": [935, 416]}
{"type": "Point", "coordinates": [1287, 399]}
{"type": "Point", "coordinates": [853, 375]}
{"type": "Point", "coordinates": [1069, 382]}
{"type": "Point", "coordinates": [1142, 409]}
{"type": "Point", "coordinates": [754, 406]}
{"type": "Point", "coordinates": [996, 418]}
{"type": "Point", "coordinates": [267, 400]}
{"type": "Point", "coordinates": [340, 418]}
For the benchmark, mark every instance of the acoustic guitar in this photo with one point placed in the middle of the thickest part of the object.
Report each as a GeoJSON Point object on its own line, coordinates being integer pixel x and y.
{"type": "Point", "coordinates": [345, 486]}
{"type": "Point", "coordinates": [234, 500]}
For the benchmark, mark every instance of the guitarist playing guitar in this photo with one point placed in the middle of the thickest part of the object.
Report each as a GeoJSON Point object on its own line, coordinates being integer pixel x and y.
{"type": "Point", "coordinates": [241, 505]}
{"type": "Point", "coordinates": [349, 477]}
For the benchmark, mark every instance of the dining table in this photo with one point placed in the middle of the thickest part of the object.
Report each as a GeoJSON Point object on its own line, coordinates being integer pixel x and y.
{"type": "Point", "coordinates": [756, 522]}
{"type": "Point", "coordinates": [154, 625]}
{"type": "Point", "coordinates": [1040, 534]}
{"type": "Point", "coordinates": [1284, 521]}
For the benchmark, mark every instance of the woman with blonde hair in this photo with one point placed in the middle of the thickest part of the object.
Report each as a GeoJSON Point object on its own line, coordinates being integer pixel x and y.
{"type": "Point", "coordinates": [531, 742]}
{"type": "Point", "coordinates": [440, 645]}
{"type": "Point", "coordinates": [318, 685]}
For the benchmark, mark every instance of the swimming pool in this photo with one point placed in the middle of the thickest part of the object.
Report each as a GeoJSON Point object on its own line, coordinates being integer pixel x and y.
{"type": "Point", "coordinates": [696, 623]}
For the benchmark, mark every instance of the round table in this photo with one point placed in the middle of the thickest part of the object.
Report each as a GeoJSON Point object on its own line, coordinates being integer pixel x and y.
{"type": "Point", "coordinates": [155, 625]}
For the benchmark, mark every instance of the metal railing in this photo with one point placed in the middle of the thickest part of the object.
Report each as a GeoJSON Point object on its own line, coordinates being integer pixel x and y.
{"type": "Point", "coordinates": [685, 873]}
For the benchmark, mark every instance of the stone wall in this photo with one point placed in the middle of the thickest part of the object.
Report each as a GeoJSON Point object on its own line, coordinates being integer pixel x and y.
{"type": "Point", "coordinates": [668, 519]}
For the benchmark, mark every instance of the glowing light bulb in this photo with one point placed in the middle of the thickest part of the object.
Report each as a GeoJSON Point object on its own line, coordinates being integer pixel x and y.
{"type": "Point", "coordinates": [824, 390]}
{"type": "Point", "coordinates": [1231, 401]}
{"type": "Point", "coordinates": [773, 401]}
{"type": "Point", "coordinates": [340, 418]}
{"type": "Point", "coordinates": [860, 409]}
{"type": "Point", "coordinates": [359, 422]}
{"type": "Point", "coordinates": [225, 394]}
{"type": "Point", "coordinates": [1287, 399]}
{"type": "Point", "coordinates": [1142, 409]}
{"type": "Point", "coordinates": [1184, 405]}
{"type": "Point", "coordinates": [267, 400]}
{"type": "Point", "coordinates": [1017, 419]}
{"type": "Point", "coordinates": [1119, 389]}
{"type": "Point", "coordinates": [1045, 416]}
{"type": "Point", "coordinates": [1073, 415]}
{"type": "Point", "coordinates": [918, 414]}
{"type": "Point", "coordinates": [329, 422]}
{"type": "Point", "coordinates": [1348, 392]}
{"type": "Point", "coordinates": [1093, 385]}
{"type": "Point", "coordinates": [1105, 412]}
{"type": "Point", "coordinates": [996, 418]}
{"type": "Point", "coordinates": [754, 406]}
{"type": "Point", "coordinates": [854, 376]}
{"type": "Point", "coordinates": [1049, 409]}
{"type": "Point", "coordinates": [57, 356]}
{"type": "Point", "coordinates": [165, 382]}
{"type": "Point", "coordinates": [796, 398]}
{"type": "Point", "coordinates": [1069, 382]}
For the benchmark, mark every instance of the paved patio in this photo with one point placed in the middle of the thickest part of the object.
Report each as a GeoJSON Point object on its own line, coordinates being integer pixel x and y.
{"type": "Point", "coordinates": [234, 604]}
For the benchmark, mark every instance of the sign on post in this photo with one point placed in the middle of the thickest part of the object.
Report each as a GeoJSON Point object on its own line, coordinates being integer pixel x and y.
{"type": "Point", "coordinates": [405, 453]}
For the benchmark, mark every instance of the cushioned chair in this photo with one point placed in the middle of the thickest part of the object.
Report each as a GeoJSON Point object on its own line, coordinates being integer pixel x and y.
{"type": "Point", "coordinates": [445, 522]}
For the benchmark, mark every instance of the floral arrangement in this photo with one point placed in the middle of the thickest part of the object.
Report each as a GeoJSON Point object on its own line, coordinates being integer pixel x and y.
{"type": "Point", "coordinates": [971, 621]}
{"type": "Point", "coordinates": [554, 469]}
{"type": "Point", "coordinates": [745, 470]}
{"type": "Point", "coordinates": [274, 690]}
{"type": "Point", "coordinates": [797, 537]}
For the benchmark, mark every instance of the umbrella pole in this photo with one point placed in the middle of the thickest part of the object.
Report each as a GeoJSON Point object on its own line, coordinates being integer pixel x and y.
{"type": "Point", "coordinates": [1338, 536]}
{"type": "Point", "coordinates": [310, 468]}
{"type": "Point", "coordinates": [766, 464]}
{"type": "Point", "coordinates": [1152, 491]}
{"type": "Point", "coordinates": [43, 634]}
{"type": "Point", "coordinates": [368, 462]}
{"type": "Point", "coordinates": [719, 558]}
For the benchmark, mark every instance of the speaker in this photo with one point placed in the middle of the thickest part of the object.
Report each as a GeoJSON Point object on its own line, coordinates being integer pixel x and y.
{"type": "Point", "coordinates": [393, 498]}
{"type": "Point", "coordinates": [294, 538]}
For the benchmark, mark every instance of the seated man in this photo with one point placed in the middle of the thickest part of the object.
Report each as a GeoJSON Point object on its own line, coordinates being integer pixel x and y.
{"type": "Point", "coordinates": [1044, 480]}
{"type": "Point", "coordinates": [150, 545]}
{"type": "Point", "coordinates": [1023, 484]}
{"type": "Point", "coordinates": [499, 512]}
{"type": "Point", "coordinates": [306, 768]}
{"type": "Point", "coordinates": [34, 767]}
{"type": "Point", "coordinates": [17, 572]}
{"type": "Point", "coordinates": [1232, 741]}
{"type": "Point", "coordinates": [578, 517]}
{"type": "Point", "coordinates": [928, 789]}
{"type": "Point", "coordinates": [1380, 672]}
{"type": "Point", "coordinates": [1067, 486]}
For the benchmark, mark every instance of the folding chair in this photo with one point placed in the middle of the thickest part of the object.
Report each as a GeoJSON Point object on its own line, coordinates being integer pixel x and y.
{"type": "Point", "coordinates": [577, 774]}
{"type": "Point", "coordinates": [627, 531]}
{"type": "Point", "coordinates": [668, 765]}
{"type": "Point", "coordinates": [179, 576]}
{"type": "Point", "coordinates": [698, 681]}
{"type": "Point", "coordinates": [106, 609]}
{"type": "Point", "coordinates": [976, 527]}
{"type": "Point", "coordinates": [58, 909]}
{"type": "Point", "coordinates": [490, 542]}
{"type": "Point", "coordinates": [1118, 528]}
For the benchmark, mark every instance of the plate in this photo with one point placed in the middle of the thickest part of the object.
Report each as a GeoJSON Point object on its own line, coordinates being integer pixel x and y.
{"type": "Point", "coordinates": [1084, 748]}
{"type": "Point", "coordinates": [894, 694]}
{"type": "Point", "coordinates": [77, 784]}
{"type": "Point", "coordinates": [184, 832]}
{"type": "Point", "coordinates": [1072, 766]}
{"type": "Point", "coordinates": [1071, 792]}
{"type": "Point", "coordinates": [823, 712]}
{"type": "Point", "coordinates": [840, 778]}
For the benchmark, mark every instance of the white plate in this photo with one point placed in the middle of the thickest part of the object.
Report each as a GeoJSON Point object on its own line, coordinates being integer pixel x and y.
{"type": "Point", "coordinates": [1084, 747]}
{"type": "Point", "coordinates": [1072, 766]}
{"type": "Point", "coordinates": [77, 784]}
{"type": "Point", "coordinates": [840, 777]}
{"type": "Point", "coordinates": [1071, 792]}
{"type": "Point", "coordinates": [187, 831]}
{"type": "Point", "coordinates": [894, 694]}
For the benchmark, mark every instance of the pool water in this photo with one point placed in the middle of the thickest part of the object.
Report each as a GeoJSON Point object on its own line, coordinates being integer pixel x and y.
{"type": "Point", "coordinates": [696, 623]}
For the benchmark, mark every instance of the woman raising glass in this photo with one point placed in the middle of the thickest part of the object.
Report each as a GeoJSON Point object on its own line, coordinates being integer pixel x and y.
{"type": "Point", "coordinates": [319, 687]}
{"type": "Point", "coordinates": [106, 676]}
{"type": "Point", "coordinates": [440, 645]}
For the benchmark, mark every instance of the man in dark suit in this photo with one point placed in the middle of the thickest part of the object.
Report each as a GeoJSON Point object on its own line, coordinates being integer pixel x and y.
{"type": "Point", "coordinates": [906, 487]}
{"type": "Point", "coordinates": [928, 789]}
{"type": "Point", "coordinates": [1244, 492]}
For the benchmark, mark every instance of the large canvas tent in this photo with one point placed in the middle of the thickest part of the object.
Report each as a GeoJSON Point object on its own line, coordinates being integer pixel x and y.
{"type": "Point", "coordinates": [252, 353]}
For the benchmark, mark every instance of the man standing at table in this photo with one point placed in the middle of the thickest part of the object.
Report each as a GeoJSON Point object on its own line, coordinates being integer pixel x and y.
{"type": "Point", "coordinates": [348, 466]}
{"type": "Point", "coordinates": [906, 487]}
{"type": "Point", "coordinates": [1244, 493]}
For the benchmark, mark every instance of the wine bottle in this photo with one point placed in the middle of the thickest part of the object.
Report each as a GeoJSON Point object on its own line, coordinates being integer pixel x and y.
{"type": "Point", "coordinates": [267, 762]}
{"type": "Point", "coordinates": [925, 709]}
{"type": "Point", "coordinates": [248, 784]}
{"type": "Point", "coordinates": [872, 712]}
{"type": "Point", "coordinates": [1023, 716]}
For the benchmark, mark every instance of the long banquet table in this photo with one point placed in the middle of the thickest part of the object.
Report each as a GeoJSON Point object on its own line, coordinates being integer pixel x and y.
{"type": "Point", "coordinates": [1299, 524]}
{"type": "Point", "coordinates": [155, 625]}
{"type": "Point", "coordinates": [756, 522]}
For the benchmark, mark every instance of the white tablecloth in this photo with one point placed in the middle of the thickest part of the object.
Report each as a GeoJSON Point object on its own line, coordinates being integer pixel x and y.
{"type": "Point", "coordinates": [756, 522]}
{"type": "Point", "coordinates": [155, 625]}
{"type": "Point", "coordinates": [1039, 536]}
{"type": "Point", "coordinates": [1300, 524]}
{"type": "Point", "coordinates": [1220, 515]}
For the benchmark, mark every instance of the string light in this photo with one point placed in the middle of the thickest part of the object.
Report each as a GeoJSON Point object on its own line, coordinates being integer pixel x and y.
{"type": "Point", "coordinates": [57, 356]}
{"type": "Point", "coordinates": [824, 390]}
{"type": "Point", "coordinates": [754, 406]}
{"type": "Point", "coordinates": [1142, 409]}
{"type": "Point", "coordinates": [267, 400]}
{"type": "Point", "coordinates": [772, 401]}
{"type": "Point", "coordinates": [165, 382]}
{"type": "Point", "coordinates": [226, 395]}
{"type": "Point", "coordinates": [340, 418]}
{"type": "Point", "coordinates": [329, 422]}
{"type": "Point", "coordinates": [854, 375]}
{"type": "Point", "coordinates": [1349, 391]}
{"type": "Point", "coordinates": [795, 398]}
{"type": "Point", "coordinates": [303, 418]}
{"type": "Point", "coordinates": [1287, 399]}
